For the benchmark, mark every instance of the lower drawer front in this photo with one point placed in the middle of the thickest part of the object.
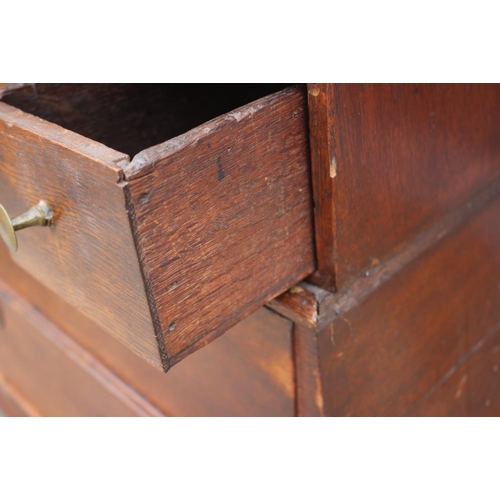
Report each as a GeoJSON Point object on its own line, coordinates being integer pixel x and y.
{"type": "Point", "coordinates": [43, 372]}
{"type": "Point", "coordinates": [246, 372]}
{"type": "Point", "coordinates": [427, 342]}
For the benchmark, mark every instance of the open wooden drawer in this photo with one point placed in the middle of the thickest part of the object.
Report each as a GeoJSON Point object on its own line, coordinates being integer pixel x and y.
{"type": "Point", "coordinates": [170, 249]}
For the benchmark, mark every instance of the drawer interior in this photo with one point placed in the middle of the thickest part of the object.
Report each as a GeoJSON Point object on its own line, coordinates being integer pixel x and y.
{"type": "Point", "coordinates": [132, 117]}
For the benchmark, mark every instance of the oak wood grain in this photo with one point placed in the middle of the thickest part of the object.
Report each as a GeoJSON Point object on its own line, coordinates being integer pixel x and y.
{"type": "Point", "coordinates": [390, 160]}
{"type": "Point", "coordinates": [170, 250]}
{"type": "Point", "coordinates": [222, 218]}
{"type": "Point", "coordinates": [88, 256]}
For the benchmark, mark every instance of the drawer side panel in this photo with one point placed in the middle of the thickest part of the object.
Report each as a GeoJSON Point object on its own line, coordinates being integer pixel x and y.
{"type": "Point", "coordinates": [224, 218]}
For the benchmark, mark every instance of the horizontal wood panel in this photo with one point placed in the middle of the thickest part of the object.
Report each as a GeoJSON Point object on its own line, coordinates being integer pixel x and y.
{"type": "Point", "coordinates": [246, 372]}
{"type": "Point", "coordinates": [385, 355]}
{"type": "Point", "coordinates": [55, 375]}
{"type": "Point", "coordinates": [389, 160]}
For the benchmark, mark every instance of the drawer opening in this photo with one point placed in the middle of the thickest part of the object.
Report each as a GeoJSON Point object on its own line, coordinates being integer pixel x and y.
{"type": "Point", "coordinates": [132, 117]}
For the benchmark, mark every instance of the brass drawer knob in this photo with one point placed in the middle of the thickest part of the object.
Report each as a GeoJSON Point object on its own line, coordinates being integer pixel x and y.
{"type": "Point", "coordinates": [39, 215]}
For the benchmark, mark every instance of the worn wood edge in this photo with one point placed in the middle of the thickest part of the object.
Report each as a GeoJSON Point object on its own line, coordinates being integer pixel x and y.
{"type": "Point", "coordinates": [314, 307]}
{"type": "Point", "coordinates": [13, 403]}
{"type": "Point", "coordinates": [95, 151]}
{"type": "Point", "coordinates": [155, 318]}
{"type": "Point", "coordinates": [305, 304]}
{"type": "Point", "coordinates": [309, 400]}
{"type": "Point", "coordinates": [8, 88]}
{"type": "Point", "coordinates": [78, 354]}
{"type": "Point", "coordinates": [145, 161]}
{"type": "Point", "coordinates": [324, 184]}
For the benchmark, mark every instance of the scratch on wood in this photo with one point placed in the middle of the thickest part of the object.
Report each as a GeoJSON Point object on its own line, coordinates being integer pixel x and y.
{"type": "Point", "coordinates": [220, 171]}
{"type": "Point", "coordinates": [333, 168]}
{"type": "Point", "coordinates": [457, 365]}
{"type": "Point", "coordinates": [461, 386]}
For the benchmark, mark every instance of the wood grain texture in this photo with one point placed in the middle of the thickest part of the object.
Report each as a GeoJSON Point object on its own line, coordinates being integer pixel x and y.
{"type": "Point", "coordinates": [170, 250]}
{"type": "Point", "coordinates": [248, 371]}
{"type": "Point", "coordinates": [315, 308]}
{"type": "Point", "coordinates": [222, 218]}
{"type": "Point", "coordinates": [383, 356]}
{"type": "Point", "coordinates": [389, 160]}
{"type": "Point", "coordinates": [88, 256]}
{"type": "Point", "coordinates": [53, 373]}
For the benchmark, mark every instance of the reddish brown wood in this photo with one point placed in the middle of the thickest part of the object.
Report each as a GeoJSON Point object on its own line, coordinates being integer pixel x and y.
{"type": "Point", "coordinates": [88, 256]}
{"type": "Point", "coordinates": [314, 307]}
{"type": "Point", "coordinates": [471, 387]}
{"type": "Point", "coordinates": [247, 371]}
{"type": "Point", "coordinates": [324, 172]}
{"type": "Point", "coordinates": [383, 356]}
{"type": "Point", "coordinates": [170, 250]}
{"type": "Point", "coordinates": [306, 304]}
{"type": "Point", "coordinates": [389, 160]}
{"type": "Point", "coordinates": [309, 390]}
{"type": "Point", "coordinates": [53, 373]}
{"type": "Point", "coordinates": [222, 218]}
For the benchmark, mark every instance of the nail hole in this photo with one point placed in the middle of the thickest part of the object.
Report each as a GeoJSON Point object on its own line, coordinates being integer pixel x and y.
{"type": "Point", "coordinates": [171, 327]}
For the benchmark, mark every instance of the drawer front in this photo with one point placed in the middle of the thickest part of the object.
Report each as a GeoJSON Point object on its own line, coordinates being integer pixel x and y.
{"type": "Point", "coordinates": [88, 256]}
{"type": "Point", "coordinates": [248, 371]}
{"type": "Point", "coordinates": [44, 372]}
{"type": "Point", "coordinates": [169, 250]}
{"type": "Point", "coordinates": [427, 342]}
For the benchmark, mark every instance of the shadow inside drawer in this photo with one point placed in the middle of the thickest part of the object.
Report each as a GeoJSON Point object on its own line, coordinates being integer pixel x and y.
{"type": "Point", "coordinates": [131, 117]}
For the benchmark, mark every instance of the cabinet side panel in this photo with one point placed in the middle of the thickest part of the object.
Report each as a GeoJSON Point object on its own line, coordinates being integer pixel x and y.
{"type": "Point", "coordinates": [392, 352]}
